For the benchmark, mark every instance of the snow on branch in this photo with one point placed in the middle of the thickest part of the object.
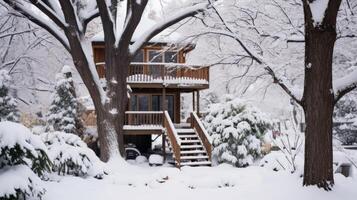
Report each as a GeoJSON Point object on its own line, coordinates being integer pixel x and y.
{"type": "Point", "coordinates": [281, 83]}
{"type": "Point", "coordinates": [37, 17]}
{"type": "Point", "coordinates": [318, 9]}
{"type": "Point", "coordinates": [59, 21]}
{"type": "Point", "coordinates": [344, 85]}
{"type": "Point", "coordinates": [160, 26]}
{"type": "Point", "coordinates": [107, 20]}
{"type": "Point", "coordinates": [229, 32]}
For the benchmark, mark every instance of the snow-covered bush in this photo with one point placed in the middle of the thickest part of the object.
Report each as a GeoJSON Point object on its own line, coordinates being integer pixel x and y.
{"type": "Point", "coordinates": [21, 183]}
{"type": "Point", "coordinates": [236, 129]}
{"type": "Point", "coordinates": [70, 155]}
{"type": "Point", "coordinates": [63, 114]}
{"type": "Point", "coordinates": [345, 120]}
{"type": "Point", "coordinates": [23, 160]}
{"type": "Point", "coordinates": [8, 105]}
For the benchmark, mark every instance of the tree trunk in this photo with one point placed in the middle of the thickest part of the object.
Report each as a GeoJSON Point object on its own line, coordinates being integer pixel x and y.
{"type": "Point", "coordinates": [318, 106]}
{"type": "Point", "coordinates": [117, 64]}
{"type": "Point", "coordinates": [107, 134]}
{"type": "Point", "coordinates": [318, 99]}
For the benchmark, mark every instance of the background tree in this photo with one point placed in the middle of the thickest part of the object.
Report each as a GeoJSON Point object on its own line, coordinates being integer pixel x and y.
{"type": "Point", "coordinates": [67, 21]}
{"type": "Point", "coordinates": [265, 33]}
{"type": "Point", "coordinates": [8, 105]}
{"type": "Point", "coordinates": [25, 51]}
{"type": "Point", "coordinates": [345, 116]}
{"type": "Point", "coordinates": [64, 110]}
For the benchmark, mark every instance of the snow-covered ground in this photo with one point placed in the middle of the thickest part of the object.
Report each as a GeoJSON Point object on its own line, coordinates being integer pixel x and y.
{"type": "Point", "coordinates": [221, 182]}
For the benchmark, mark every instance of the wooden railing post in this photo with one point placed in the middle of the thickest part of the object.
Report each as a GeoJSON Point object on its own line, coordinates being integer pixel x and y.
{"type": "Point", "coordinates": [173, 137]}
{"type": "Point", "coordinates": [202, 133]}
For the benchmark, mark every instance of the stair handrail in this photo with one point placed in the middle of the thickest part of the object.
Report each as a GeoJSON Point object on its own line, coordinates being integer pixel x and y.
{"type": "Point", "coordinates": [173, 137]}
{"type": "Point", "coordinates": [197, 125]}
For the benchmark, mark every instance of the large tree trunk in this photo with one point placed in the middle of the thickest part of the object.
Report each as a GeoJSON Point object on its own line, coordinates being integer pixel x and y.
{"type": "Point", "coordinates": [107, 134]}
{"type": "Point", "coordinates": [318, 98]}
{"type": "Point", "coordinates": [117, 63]}
{"type": "Point", "coordinates": [318, 106]}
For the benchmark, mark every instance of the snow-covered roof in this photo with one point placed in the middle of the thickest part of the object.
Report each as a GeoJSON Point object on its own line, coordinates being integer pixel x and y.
{"type": "Point", "coordinates": [166, 36]}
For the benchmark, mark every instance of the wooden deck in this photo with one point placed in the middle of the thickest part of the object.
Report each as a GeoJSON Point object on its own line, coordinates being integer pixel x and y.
{"type": "Point", "coordinates": [143, 123]}
{"type": "Point", "coordinates": [169, 75]}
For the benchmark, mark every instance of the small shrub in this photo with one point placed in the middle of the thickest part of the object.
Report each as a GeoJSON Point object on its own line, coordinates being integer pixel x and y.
{"type": "Point", "coordinates": [71, 156]}
{"type": "Point", "coordinates": [236, 130]}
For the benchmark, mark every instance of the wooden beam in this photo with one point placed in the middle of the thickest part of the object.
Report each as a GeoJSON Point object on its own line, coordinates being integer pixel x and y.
{"type": "Point", "coordinates": [164, 104]}
{"type": "Point", "coordinates": [164, 146]}
{"type": "Point", "coordinates": [193, 101]}
{"type": "Point", "coordinates": [198, 103]}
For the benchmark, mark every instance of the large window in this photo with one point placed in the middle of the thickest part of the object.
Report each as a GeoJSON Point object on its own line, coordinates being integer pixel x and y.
{"type": "Point", "coordinates": [148, 102]}
{"type": "Point", "coordinates": [159, 56]}
{"type": "Point", "coordinates": [137, 69]}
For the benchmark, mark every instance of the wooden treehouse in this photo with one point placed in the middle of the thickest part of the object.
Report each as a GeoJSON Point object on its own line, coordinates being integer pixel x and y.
{"type": "Point", "coordinates": [158, 76]}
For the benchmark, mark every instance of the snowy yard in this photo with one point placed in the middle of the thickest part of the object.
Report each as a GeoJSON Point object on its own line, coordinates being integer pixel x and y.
{"type": "Point", "coordinates": [204, 99]}
{"type": "Point", "coordinates": [154, 183]}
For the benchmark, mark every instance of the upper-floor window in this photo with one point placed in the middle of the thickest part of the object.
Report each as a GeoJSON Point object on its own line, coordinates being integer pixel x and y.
{"type": "Point", "coordinates": [139, 57]}
{"type": "Point", "coordinates": [158, 56]}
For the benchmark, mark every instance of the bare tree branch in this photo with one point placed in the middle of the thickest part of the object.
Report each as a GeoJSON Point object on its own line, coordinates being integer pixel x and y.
{"type": "Point", "coordinates": [173, 19]}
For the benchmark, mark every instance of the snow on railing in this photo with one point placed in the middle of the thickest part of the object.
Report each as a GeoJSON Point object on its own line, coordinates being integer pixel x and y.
{"type": "Point", "coordinates": [164, 73]}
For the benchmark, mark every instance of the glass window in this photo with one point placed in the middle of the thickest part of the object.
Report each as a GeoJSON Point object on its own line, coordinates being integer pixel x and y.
{"type": "Point", "coordinates": [139, 57]}
{"type": "Point", "coordinates": [137, 69]}
{"type": "Point", "coordinates": [133, 104]}
{"type": "Point", "coordinates": [171, 57]}
{"type": "Point", "coordinates": [155, 57]}
{"type": "Point", "coordinates": [143, 103]}
{"type": "Point", "coordinates": [156, 102]}
{"type": "Point", "coordinates": [170, 106]}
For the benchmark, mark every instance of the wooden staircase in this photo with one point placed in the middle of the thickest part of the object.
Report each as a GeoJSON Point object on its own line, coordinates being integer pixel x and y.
{"type": "Point", "coordinates": [189, 142]}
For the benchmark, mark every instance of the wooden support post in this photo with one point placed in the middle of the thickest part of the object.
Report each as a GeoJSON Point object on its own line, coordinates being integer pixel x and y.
{"type": "Point", "coordinates": [193, 102]}
{"type": "Point", "coordinates": [164, 106]}
{"type": "Point", "coordinates": [198, 103]}
{"type": "Point", "coordinates": [164, 146]}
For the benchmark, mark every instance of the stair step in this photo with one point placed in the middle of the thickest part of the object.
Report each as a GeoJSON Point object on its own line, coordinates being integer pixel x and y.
{"type": "Point", "coordinates": [194, 157]}
{"type": "Point", "coordinates": [185, 130]}
{"type": "Point", "coordinates": [196, 146]}
{"type": "Point", "coordinates": [193, 151]}
{"type": "Point", "coordinates": [196, 163]}
{"type": "Point", "coordinates": [188, 136]}
{"type": "Point", "coordinates": [190, 141]}
{"type": "Point", "coordinates": [182, 125]}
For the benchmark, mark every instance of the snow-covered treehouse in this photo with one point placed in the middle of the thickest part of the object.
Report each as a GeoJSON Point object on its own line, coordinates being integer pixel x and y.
{"type": "Point", "coordinates": [159, 72]}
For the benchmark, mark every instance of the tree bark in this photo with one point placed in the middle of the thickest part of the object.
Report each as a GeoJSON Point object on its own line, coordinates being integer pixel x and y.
{"type": "Point", "coordinates": [318, 98]}
{"type": "Point", "coordinates": [318, 107]}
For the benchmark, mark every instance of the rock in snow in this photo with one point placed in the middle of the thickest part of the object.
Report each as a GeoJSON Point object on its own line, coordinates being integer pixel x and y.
{"type": "Point", "coordinates": [155, 160]}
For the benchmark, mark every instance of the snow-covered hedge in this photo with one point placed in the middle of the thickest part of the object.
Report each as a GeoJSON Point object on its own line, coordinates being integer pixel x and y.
{"type": "Point", "coordinates": [236, 129]}
{"type": "Point", "coordinates": [70, 155]}
{"type": "Point", "coordinates": [20, 147]}
{"type": "Point", "coordinates": [23, 160]}
{"type": "Point", "coordinates": [21, 183]}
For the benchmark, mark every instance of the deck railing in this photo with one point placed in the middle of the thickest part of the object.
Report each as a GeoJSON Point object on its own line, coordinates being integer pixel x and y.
{"type": "Point", "coordinates": [142, 118]}
{"type": "Point", "coordinates": [163, 72]}
{"type": "Point", "coordinates": [173, 137]}
{"type": "Point", "coordinates": [202, 133]}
